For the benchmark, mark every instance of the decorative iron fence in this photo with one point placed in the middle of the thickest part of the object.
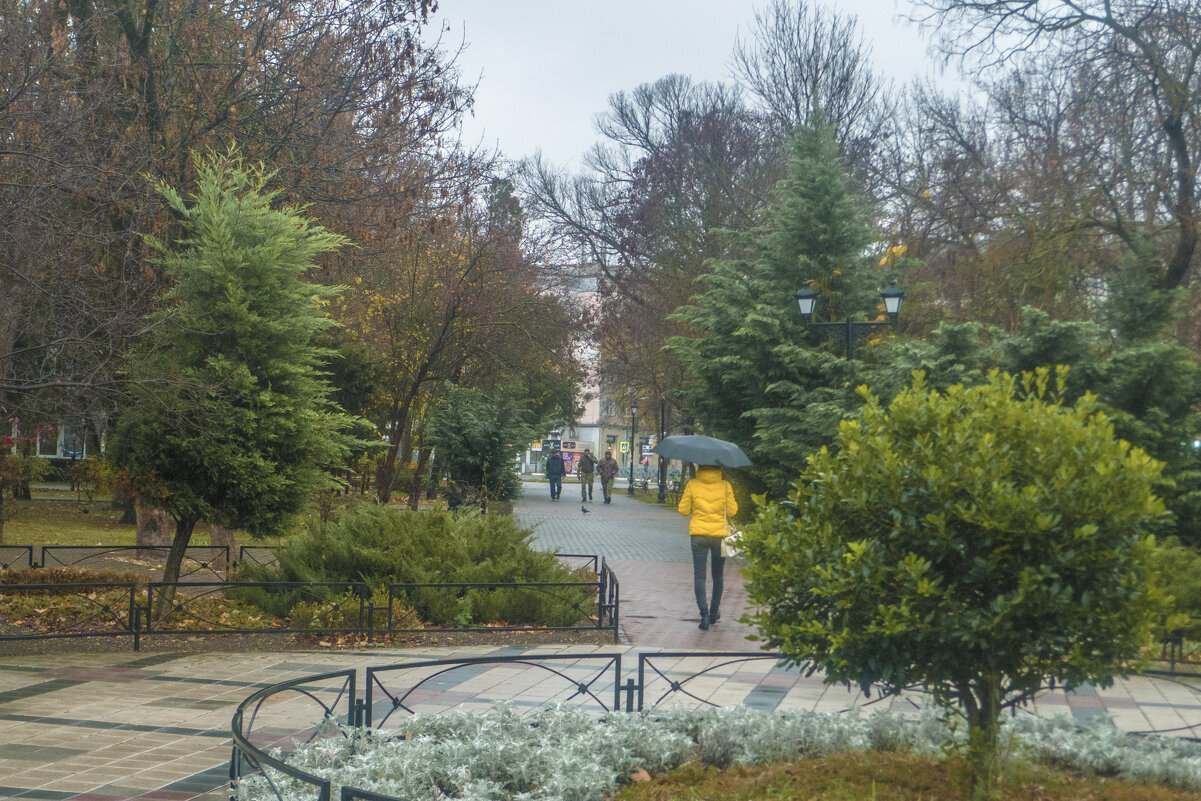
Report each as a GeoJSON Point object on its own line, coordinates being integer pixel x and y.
{"type": "Point", "coordinates": [263, 555]}
{"type": "Point", "coordinates": [16, 556]}
{"type": "Point", "coordinates": [96, 609]}
{"type": "Point", "coordinates": [591, 681]}
{"type": "Point", "coordinates": [328, 696]}
{"type": "Point", "coordinates": [198, 559]}
{"type": "Point", "coordinates": [331, 609]}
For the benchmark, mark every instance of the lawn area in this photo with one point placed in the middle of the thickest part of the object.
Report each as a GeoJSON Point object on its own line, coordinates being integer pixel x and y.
{"type": "Point", "coordinates": [57, 518]}
{"type": "Point", "coordinates": [49, 520]}
{"type": "Point", "coordinates": [895, 776]}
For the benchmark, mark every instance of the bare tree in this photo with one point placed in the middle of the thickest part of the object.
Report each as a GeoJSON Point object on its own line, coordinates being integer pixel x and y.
{"type": "Point", "coordinates": [97, 97]}
{"type": "Point", "coordinates": [805, 62]}
{"type": "Point", "coordinates": [1146, 50]}
{"type": "Point", "coordinates": [680, 164]}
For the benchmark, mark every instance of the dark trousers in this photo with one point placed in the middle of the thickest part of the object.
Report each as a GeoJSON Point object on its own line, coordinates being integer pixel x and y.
{"type": "Point", "coordinates": [556, 486]}
{"type": "Point", "coordinates": [586, 486]}
{"type": "Point", "coordinates": [707, 548]}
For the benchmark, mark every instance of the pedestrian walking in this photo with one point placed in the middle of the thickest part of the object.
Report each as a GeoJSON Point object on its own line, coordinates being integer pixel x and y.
{"type": "Point", "coordinates": [587, 469]}
{"type": "Point", "coordinates": [709, 501]}
{"type": "Point", "coordinates": [608, 471]}
{"type": "Point", "coordinates": [554, 472]}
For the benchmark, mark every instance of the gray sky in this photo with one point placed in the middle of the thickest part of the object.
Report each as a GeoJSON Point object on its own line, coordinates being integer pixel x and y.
{"type": "Point", "coordinates": [547, 67]}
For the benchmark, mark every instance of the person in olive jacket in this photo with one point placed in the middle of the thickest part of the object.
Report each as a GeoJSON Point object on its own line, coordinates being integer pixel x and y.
{"type": "Point", "coordinates": [587, 468]}
{"type": "Point", "coordinates": [709, 499]}
{"type": "Point", "coordinates": [608, 471]}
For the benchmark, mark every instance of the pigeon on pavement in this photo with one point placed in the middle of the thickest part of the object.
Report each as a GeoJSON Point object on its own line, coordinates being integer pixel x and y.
{"type": "Point", "coordinates": [585, 510]}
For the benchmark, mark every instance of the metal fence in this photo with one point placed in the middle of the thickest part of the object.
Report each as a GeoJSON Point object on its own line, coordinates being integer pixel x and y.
{"type": "Point", "coordinates": [203, 560]}
{"type": "Point", "coordinates": [262, 555]}
{"type": "Point", "coordinates": [16, 556]}
{"type": "Point", "coordinates": [198, 608]}
{"type": "Point", "coordinates": [94, 609]}
{"type": "Point", "coordinates": [590, 681]}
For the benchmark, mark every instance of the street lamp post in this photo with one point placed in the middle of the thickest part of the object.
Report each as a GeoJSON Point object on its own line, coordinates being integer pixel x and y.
{"type": "Point", "coordinates": [662, 461]}
{"type": "Point", "coordinates": [633, 422]}
{"type": "Point", "coordinates": [849, 330]}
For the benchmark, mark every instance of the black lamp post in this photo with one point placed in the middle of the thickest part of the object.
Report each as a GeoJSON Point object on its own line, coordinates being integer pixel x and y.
{"type": "Point", "coordinates": [662, 461]}
{"type": "Point", "coordinates": [633, 422]}
{"type": "Point", "coordinates": [849, 330]}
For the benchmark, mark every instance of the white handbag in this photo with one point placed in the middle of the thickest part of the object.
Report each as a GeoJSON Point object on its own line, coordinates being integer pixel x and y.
{"type": "Point", "coordinates": [733, 538]}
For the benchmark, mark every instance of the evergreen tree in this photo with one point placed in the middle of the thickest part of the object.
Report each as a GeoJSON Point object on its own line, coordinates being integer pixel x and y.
{"type": "Point", "coordinates": [479, 435]}
{"type": "Point", "coordinates": [760, 378]}
{"type": "Point", "coordinates": [229, 419]}
{"type": "Point", "coordinates": [1150, 390]}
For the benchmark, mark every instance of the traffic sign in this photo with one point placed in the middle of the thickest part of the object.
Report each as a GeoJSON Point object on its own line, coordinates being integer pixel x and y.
{"type": "Point", "coordinates": [625, 447]}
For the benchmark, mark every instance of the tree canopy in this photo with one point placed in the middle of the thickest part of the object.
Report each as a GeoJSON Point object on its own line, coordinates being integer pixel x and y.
{"type": "Point", "coordinates": [983, 542]}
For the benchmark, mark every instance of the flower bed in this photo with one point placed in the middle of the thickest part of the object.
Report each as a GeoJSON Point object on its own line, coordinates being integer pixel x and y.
{"type": "Point", "coordinates": [564, 754]}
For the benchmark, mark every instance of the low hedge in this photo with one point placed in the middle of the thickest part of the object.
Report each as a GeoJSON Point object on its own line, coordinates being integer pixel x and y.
{"type": "Point", "coordinates": [381, 546]}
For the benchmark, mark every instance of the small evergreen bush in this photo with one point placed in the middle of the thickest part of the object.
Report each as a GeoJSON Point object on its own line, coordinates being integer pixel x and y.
{"type": "Point", "coordinates": [380, 546]}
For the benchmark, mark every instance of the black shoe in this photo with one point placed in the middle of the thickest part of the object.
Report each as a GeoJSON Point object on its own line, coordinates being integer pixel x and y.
{"type": "Point", "coordinates": [704, 626]}
{"type": "Point", "coordinates": [714, 616]}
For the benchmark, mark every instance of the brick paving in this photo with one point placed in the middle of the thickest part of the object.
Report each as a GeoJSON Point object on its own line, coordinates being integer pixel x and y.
{"type": "Point", "coordinates": [96, 727]}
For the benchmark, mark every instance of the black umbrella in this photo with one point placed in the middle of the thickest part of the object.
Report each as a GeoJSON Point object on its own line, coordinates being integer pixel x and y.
{"type": "Point", "coordinates": [702, 450]}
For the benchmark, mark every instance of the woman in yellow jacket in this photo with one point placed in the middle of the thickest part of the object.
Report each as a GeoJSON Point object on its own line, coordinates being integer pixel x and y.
{"type": "Point", "coordinates": [709, 499]}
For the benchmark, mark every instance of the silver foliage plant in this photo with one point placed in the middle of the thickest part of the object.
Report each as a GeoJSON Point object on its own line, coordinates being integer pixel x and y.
{"type": "Point", "coordinates": [562, 753]}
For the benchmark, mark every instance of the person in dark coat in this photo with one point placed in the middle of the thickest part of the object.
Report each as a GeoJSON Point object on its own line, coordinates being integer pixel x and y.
{"type": "Point", "coordinates": [554, 472]}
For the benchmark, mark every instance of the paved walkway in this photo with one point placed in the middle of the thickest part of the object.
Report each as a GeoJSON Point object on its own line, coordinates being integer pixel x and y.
{"type": "Point", "coordinates": [128, 725]}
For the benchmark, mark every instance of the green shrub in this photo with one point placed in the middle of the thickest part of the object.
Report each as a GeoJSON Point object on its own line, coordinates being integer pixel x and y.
{"type": "Point", "coordinates": [1179, 571]}
{"type": "Point", "coordinates": [380, 546]}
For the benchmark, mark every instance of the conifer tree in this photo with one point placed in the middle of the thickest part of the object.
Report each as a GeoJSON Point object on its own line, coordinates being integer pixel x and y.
{"type": "Point", "coordinates": [760, 378]}
{"type": "Point", "coordinates": [229, 419]}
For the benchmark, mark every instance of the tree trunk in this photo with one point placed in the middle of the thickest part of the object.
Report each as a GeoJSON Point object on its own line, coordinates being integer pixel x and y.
{"type": "Point", "coordinates": [423, 458]}
{"type": "Point", "coordinates": [221, 537]}
{"type": "Point", "coordinates": [436, 472]}
{"type": "Point", "coordinates": [1, 516]}
{"type": "Point", "coordinates": [123, 501]}
{"type": "Point", "coordinates": [154, 528]}
{"type": "Point", "coordinates": [386, 474]}
{"type": "Point", "coordinates": [165, 599]}
{"type": "Point", "coordinates": [984, 717]}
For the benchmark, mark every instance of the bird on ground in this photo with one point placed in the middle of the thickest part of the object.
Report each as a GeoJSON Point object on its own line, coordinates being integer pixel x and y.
{"type": "Point", "coordinates": [585, 510]}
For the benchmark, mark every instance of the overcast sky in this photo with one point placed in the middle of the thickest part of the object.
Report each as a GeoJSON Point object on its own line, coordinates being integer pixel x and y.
{"type": "Point", "coordinates": [547, 67]}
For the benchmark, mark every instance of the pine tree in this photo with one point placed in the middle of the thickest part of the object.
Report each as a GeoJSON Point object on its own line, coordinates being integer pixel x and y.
{"type": "Point", "coordinates": [229, 420]}
{"type": "Point", "coordinates": [760, 378]}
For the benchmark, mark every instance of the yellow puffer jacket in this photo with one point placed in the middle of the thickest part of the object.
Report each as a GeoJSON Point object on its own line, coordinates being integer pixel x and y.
{"type": "Point", "coordinates": [710, 500]}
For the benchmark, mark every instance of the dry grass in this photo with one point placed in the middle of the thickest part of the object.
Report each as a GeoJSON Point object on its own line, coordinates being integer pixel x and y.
{"type": "Point", "coordinates": [878, 776]}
